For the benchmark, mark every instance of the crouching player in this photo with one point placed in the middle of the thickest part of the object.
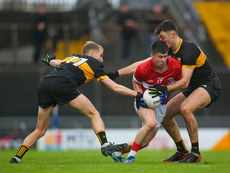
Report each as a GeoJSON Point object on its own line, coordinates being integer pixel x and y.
{"type": "Point", "coordinates": [158, 70]}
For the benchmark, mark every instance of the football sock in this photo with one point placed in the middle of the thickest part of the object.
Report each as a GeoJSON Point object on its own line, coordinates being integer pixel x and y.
{"type": "Point", "coordinates": [136, 146]}
{"type": "Point", "coordinates": [180, 146]}
{"type": "Point", "coordinates": [124, 151]}
{"type": "Point", "coordinates": [134, 149]}
{"type": "Point", "coordinates": [101, 137]}
{"type": "Point", "coordinates": [195, 148]}
{"type": "Point", "coordinates": [22, 150]}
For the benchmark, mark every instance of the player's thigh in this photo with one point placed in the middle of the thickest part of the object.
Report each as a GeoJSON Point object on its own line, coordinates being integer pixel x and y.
{"type": "Point", "coordinates": [198, 99]}
{"type": "Point", "coordinates": [84, 105]}
{"type": "Point", "coordinates": [173, 106]}
{"type": "Point", "coordinates": [147, 115]}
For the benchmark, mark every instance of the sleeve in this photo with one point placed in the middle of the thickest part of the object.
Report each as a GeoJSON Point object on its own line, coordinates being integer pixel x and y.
{"type": "Point", "coordinates": [99, 72]}
{"type": "Point", "coordinates": [138, 76]}
{"type": "Point", "coordinates": [190, 56]}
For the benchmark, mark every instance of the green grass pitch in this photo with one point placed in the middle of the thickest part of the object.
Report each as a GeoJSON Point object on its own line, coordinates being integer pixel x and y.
{"type": "Point", "coordinates": [87, 161]}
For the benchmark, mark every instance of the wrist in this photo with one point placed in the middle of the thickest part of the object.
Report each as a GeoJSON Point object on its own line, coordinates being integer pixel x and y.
{"type": "Point", "coordinates": [117, 73]}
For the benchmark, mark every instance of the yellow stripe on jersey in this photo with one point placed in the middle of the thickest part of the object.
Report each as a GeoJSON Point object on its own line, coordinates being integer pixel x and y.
{"type": "Point", "coordinates": [200, 60]}
{"type": "Point", "coordinates": [88, 72]}
{"type": "Point", "coordinates": [189, 66]}
{"type": "Point", "coordinates": [178, 47]}
{"type": "Point", "coordinates": [102, 77]}
{"type": "Point", "coordinates": [66, 59]}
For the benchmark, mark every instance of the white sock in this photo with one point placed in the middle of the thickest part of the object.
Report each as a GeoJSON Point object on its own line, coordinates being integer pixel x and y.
{"type": "Point", "coordinates": [132, 153]}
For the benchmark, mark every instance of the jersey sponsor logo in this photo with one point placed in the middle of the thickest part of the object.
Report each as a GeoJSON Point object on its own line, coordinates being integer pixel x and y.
{"type": "Point", "coordinates": [204, 86]}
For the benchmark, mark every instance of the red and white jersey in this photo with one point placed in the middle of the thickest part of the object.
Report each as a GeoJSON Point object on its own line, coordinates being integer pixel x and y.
{"type": "Point", "coordinates": [146, 75]}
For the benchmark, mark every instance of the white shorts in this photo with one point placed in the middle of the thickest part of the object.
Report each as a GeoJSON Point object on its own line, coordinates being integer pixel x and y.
{"type": "Point", "coordinates": [159, 112]}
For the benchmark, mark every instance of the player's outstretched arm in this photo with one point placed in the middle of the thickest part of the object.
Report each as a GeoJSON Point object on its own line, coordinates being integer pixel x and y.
{"type": "Point", "coordinates": [129, 70]}
{"type": "Point", "coordinates": [120, 89]}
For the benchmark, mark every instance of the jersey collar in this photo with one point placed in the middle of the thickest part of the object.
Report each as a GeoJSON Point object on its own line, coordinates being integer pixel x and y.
{"type": "Point", "coordinates": [178, 46]}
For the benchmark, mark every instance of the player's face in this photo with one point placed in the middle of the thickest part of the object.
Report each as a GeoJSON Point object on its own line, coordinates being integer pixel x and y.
{"type": "Point", "coordinates": [167, 37]}
{"type": "Point", "coordinates": [160, 60]}
{"type": "Point", "coordinates": [98, 55]}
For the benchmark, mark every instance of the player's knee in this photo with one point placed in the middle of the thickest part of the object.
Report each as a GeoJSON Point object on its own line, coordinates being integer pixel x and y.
{"type": "Point", "coordinates": [184, 109]}
{"type": "Point", "coordinates": [93, 114]}
{"type": "Point", "coordinates": [150, 125]}
{"type": "Point", "coordinates": [40, 132]}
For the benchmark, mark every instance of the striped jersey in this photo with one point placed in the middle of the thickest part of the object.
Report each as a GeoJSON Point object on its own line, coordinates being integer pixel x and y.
{"type": "Point", "coordinates": [191, 56]}
{"type": "Point", "coordinates": [79, 69]}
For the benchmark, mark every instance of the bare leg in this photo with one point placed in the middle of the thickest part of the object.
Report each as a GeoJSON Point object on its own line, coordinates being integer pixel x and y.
{"type": "Point", "coordinates": [173, 109]}
{"type": "Point", "coordinates": [197, 100]}
{"type": "Point", "coordinates": [149, 123]}
{"type": "Point", "coordinates": [84, 105]}
{"type": "Point", "coordinates": [41, 128]}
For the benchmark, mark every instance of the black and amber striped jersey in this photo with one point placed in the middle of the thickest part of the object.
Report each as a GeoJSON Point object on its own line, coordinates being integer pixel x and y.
{"type": "Point", "coordinates": [191, 56]}
{"type": "Point", "coordinates": [79, 69]}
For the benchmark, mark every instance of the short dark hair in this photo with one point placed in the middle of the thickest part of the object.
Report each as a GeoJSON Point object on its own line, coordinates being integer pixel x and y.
{"type": "Point", "coordinates": [166, 25]}
{"type": "Point", "coordinates": [159, 46]}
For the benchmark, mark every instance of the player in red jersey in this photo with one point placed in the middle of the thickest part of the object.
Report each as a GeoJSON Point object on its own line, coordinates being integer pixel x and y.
{"type": "Point", "coordinates": [159, 69]}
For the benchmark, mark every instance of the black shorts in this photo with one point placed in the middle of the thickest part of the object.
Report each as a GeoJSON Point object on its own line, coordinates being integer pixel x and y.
{"type": "Point", "coordinates": [56, 90]}
{"type": "Point", "coordinates": [212, 87]}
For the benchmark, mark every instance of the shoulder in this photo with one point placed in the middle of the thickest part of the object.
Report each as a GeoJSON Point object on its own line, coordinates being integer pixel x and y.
{"type": "Point", "coordinates": [146, 63]}
{"type": "Point", "coordinates": [173, 60]}
{"type": "Point", "coordinates": [174, 63]}
{"type": "Point", "coordinates": [189, 46]}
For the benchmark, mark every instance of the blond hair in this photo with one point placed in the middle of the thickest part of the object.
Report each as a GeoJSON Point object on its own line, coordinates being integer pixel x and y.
{"type": "Point", "coordinates": [90, 45]}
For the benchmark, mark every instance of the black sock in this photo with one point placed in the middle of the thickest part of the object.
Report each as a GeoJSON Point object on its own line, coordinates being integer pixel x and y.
{"type": "Point", "coordinates": [181, 147]}
{"type": "Point", "coordinates": [195, 148]}
{"type": "Point", "coordinates": [102, 137]}
{"type": "Point", "coordinates": [22, 150]}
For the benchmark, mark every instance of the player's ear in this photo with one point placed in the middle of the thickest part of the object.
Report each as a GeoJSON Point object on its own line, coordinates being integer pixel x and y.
{"type": "Point", "coordinates": [91, 53]}
{"type": "Point", "coordinates": [173, 33]}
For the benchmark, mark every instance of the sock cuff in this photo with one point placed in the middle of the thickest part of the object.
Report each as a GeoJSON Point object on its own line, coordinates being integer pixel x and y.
{"type": "Point", "coordinates": [179, 140]}
{"type": "Point", "coordinates": [26, 146]}
{"type": "Point", "coordinates": [136, 146]}
{"type": "Point", "coordinates": [100, 131]}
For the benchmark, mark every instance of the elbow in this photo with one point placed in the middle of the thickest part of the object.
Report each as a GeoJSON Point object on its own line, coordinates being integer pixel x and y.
{"type": "Point", "coordinates": [184, 84]}
{"type": "Point", "coordinates": [116, 89]}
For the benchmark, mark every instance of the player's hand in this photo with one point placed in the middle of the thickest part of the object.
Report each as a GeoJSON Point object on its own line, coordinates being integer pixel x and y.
{"type": "Point", "coordinates": [164, 98]}
{"type": "Point", "coordinates": [140, 101]}
{"type": "Point", "coordinates": [47, 58]}
{"type": "Point", "coordinates": [113, 75]}
{"type": "Point", "coordinates": [157, 89]}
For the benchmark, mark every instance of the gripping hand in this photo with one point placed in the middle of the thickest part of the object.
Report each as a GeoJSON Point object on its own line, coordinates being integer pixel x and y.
{"type": "Point", "coordinates": [164, 98]}
{"type": "Point", "coordinates": [47, 58]}
{"type": "Point", "coordinates": [157, 89]}
{"type": "Point", "coordinates": [140, 101]}
{"type": "Point", "coordinates": [113, 75]}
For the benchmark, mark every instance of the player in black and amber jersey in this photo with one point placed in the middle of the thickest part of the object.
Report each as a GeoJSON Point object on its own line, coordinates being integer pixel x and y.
{"type": "Point", "coordinates": [60, 87]}
{"type": "Point", "coordinates": [201, 87]}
